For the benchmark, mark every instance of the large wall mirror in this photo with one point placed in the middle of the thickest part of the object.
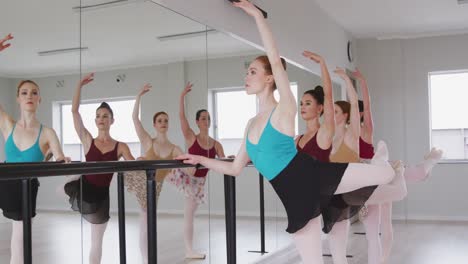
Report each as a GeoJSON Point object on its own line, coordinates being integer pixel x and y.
{"type": "Point", "coordinates": [44, 49]}
{"type": "Point", "coordinates": [145, 59]}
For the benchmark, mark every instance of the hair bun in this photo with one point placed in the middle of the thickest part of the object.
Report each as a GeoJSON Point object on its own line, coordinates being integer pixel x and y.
{"type": "Point", "coordinates": [104, 105]}
{"type": "Point", "coordinates": [319, 89]}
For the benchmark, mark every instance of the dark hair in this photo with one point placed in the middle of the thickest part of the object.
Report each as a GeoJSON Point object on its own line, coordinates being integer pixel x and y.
{"type": "Point", "coordinates": [318, 94]}
{"type": "Point", "coordinates": [105, 105]}
{"type": "Point", "coordinates": [158, 114]}
{"type": "Point", "coordinates": [267, 66]}
{"type": "Point", "coordinates": [199, 112]}
{"type": "Point", "coordinates": [23, 82]}
{"type": "Point", "coordinates": [345, 107]}
{"type": "Point", "coordinates": [361, 106]}
{"type": "Point", "coordinates": [361, 109]}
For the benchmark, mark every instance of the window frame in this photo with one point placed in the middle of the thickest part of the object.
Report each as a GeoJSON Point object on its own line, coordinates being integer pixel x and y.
{"type": "Point", "coordinates": [57, 112]}
{"type": "Point", "coordinates": [430, 88]}
{"type": "Point", "coordinates": [213, 106]}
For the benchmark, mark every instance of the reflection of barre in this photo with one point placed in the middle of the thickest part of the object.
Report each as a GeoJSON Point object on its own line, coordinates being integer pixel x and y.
{"type": "Point", "coordinates": [10, 171]}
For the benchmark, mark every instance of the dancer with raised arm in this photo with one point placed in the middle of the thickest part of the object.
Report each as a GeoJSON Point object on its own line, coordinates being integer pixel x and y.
{"type": "Point", "coordinates": [90, 194]}
{"type": "Point", "coordinates": [304, 184]}
{"type": "Point", "coordinates": [157, 148]}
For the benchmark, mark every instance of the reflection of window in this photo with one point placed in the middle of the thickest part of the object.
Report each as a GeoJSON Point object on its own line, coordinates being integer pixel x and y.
{"type": "Point", "coordinates": [232, 110]}
{"type": "Point", "coordinates": [449, 127]}
{"type": "Point", "coordinates": [122, 129]}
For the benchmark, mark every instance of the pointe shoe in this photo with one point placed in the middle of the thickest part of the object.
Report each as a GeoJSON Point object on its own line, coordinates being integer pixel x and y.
{"type": "Point", "coordinates": [363, 212]}
{"type": "Point", "coordinates": [399, 180]}
{"type": "Point", "coordinates": [194, 255]}
{"type": "Point", "coordinates": [381, 154]}
{"type": "Point", "coordinates": [430, 160]}
{"type": "Point", "coordinates": [434, 155]}
{"type": "Point", "coordinates": [398, 166]}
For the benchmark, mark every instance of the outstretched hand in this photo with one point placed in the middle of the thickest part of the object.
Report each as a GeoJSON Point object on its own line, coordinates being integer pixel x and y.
{"type": "Point", "coordinates": [3, 44]}
{"type": "Point", "coordinates": [341, 72]}
{"type": "Point", "coordinates": [248, 8]}
{"type": "Point", "coordinates": [313, 56]}
{"type": "Point", "coordinates": [65, 159]}
{"type": "Point", "coordinates": [87, 79]}
{"type": "Point", "coordinates": [189, 159]}
{"type": "Point", "coordinates": [146, 88]}
{"type": "Point", "coordinates": [187, 89]}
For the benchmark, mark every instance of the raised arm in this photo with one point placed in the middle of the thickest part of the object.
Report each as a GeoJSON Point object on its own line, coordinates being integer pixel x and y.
{"type": "Point", "coordinates": [368, 124]}
{"type": "Point", "coordinates": [6, 122]}
{"type": "Point", "coordinates": [3, 42]}
{"type": "Point", "coordinates": [287, 102]}
{"type": "Point", "coordinates": [188, 133]}
{"type": "Point", "coordinates": [83, 133]}
{"type": "Point", "coordinates": [328, 125]}
{"type": "Point", "coordinates": [354, 119]}
{"type": "Point", "coordinates": [143, 135]}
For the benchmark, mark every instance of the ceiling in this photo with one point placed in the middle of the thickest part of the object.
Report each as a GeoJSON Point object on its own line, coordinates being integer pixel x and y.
{"type": "Point", "coordinates": [117, 37]}
{"type": "Point", "coordinates": [398, 18]}
{"type": "Point", "coordinates": [125, 35]}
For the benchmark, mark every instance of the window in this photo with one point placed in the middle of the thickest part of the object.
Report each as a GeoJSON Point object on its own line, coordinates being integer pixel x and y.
{"type": "Point", "coordinates": [449, 127]}
{"type": "Point", "coordinates": [232, 110]}
{"type": "Point", "coordinates": [122, 129]}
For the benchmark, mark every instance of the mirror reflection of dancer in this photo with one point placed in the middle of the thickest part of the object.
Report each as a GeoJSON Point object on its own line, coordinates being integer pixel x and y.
{"type": "Point", "coordinates": [157, 148]}
{"type": "Point", "coordinates": [303, 184]}
{"type": "Point", "coordinates": [377, 218]}
{"type": "Point", "coordinates": [199, 144]}
{"type": "Point", "coordinates": [90, 194]}
{"type": "Point", "coordinates": [318, 142]}
{"type": "Point", "coordinates": [26, 140]}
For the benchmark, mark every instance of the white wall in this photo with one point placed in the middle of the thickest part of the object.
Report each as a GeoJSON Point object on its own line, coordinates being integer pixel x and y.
{"type": "Point", "coordinates": [397, 73]}
{"type": "Point", "coordinates": [7, 96]}
{"type": "Point", "coordinates": [297, 25]}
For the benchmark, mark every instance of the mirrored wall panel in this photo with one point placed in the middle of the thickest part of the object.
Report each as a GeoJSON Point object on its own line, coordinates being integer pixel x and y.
{"type": "Point", "coordinates": [36, 72]}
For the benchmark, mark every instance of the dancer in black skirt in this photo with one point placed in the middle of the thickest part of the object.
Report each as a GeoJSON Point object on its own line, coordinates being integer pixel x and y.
{"type": "Point", "coordinates": [26, 140]}
{"type": "Point", "coordinates": [90, 194]}
{"type": "Point", "coordinates": [303, 184]}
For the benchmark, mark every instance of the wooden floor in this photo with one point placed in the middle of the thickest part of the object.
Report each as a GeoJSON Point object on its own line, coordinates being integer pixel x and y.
{"type": "Point", "coordinates": [57, 239]}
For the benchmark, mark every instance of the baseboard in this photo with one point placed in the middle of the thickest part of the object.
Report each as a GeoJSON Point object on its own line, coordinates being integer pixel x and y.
{"type": "Point", "coordinates": [268, 216]}
{"type": "Point", "coordinates": [427, 218]}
